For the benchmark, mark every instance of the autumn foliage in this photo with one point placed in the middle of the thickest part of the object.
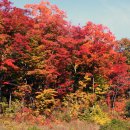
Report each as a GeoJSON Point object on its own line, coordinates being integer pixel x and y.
{"type": "Point", "coordinates": [43, 59]}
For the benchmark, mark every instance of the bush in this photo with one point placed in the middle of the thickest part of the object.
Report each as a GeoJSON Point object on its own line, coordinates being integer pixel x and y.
{"type": "Point", "coordinates": [13, 109]}
{"type": "Point", "coordinates": [29, 116]}
{"type": "Point", "coordinates": [120, 107]}
{"type": "Point", "coordinates": [116, 125]}
{"type": "Point", "coordinates": [4, 106]}
{"type": "Point", "coordinates": [127, 108]}
{"type": "Point", "coordinates": [45, 101]}
{"type": "Point", "coordinates": [96, 115]}
{"type": "Point", "coordinates": [33, 128]}
{"type": "Point", "coordinates": [78, 102]}
{"type": "Point", "coordinates": [85, 116]}
{"type": "Point", "coordinates": [66, 117]}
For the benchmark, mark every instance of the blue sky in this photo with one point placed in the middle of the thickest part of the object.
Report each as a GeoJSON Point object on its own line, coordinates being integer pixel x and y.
{"type": "Point", "coordinates": [114, 14]}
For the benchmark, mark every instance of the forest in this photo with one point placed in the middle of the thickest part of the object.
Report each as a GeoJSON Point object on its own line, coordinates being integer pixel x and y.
{"type": "Point", "coordinates": [52, 72]}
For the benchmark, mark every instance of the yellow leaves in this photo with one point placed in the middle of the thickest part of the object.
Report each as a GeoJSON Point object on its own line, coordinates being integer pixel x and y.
{"type": "Point", "coordinates": [35, 58]}
{"type": "Point", "coordinates": [85, 81]}
{"type": "Point", "coordinates": [38, 60]}
{"type": "Point", "coordinates": [98, 89]}
{"type": "Point", "coordinates": [3, 38]}
{"type": "Point", "coordinates": [40, 47]}
{"type": "Point", "coordinates": [82, 83]}
{"type": "Point", "coordinates": [101, 90]}
{"type": "Point", "coordinates": [86, 77]}
{"type": "Point", "coordinates": [78, 101]}
{"type": "Point", "coordinates": [99, 116]}
{"type": "Point", "coordinates": [46, 93]}
{"type": "Point", "coordinates": [45, 100]}
{"type": "Point", "coordinates": [23, 90]}
{"type": "Point", "coordinates": [37, 71]}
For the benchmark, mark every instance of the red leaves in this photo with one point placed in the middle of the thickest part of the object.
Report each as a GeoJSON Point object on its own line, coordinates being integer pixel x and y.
{"type": "Point", "coordinates": [66, 84]}
{"type": "Point", "coordinates": [21, 44]}
{"type": "Point", "coordinates": [120, 106]}
{"type": "Point", "coordinates": [86, 48]}
{"type": "Point", "coordinates": [51, 52]}
{"type": "Point", "coordinates": [5, 83]}
{"type": "Point", "coordinates": [5, 5]}
{"type": "Point", "coordinates": [10, 63]}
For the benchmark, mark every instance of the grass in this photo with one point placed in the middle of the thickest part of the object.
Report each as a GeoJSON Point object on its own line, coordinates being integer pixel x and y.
{"type": "Point", "coordinates": [6, 124]}
{"type": "Point", "coordinates": [116, 125]}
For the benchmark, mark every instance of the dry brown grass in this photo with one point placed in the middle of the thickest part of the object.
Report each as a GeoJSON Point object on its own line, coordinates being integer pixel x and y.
{"type": "Point", "coordinates": [6, 124]}
{"type": "Point", "coordinates": [73, 125]}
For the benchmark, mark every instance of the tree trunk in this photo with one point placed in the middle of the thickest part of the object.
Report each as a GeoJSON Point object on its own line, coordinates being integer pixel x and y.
{"type": "Point", "coordinates": [1, 110]}
{"type": "Point", "coordinates": [10, 100]}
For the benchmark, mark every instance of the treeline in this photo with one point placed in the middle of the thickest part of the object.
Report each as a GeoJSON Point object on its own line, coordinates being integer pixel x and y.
{"type": "Point", "coordinates": [46, 63]}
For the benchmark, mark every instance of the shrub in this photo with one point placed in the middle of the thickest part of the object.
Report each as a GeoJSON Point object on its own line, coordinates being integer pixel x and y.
{"type": "Point", "coordinates": [14, 108]}
{"type": "Point", "coordinates": [66, 117]}
{"type": "Point", "coordinates": [4, 106]}
{"type": "Point", "coordinates": [120, 107]}
{"type": "Point", "coordinates": [45, 101]}
{"type": "Point", "coordinates": [33, 128]}
{"type": "Point", "coordinates": [29, 116]}
{"type": "Point", "coordinates": [96, 115]}
{"type": "Point", "coordinates": [116, 125]}
{"type": "Point", "coordinates": [78, 102]}
{"type": "Point", "coordinates": [85, 116]}
{"type": "Point", "coordinates": [127, 109]}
